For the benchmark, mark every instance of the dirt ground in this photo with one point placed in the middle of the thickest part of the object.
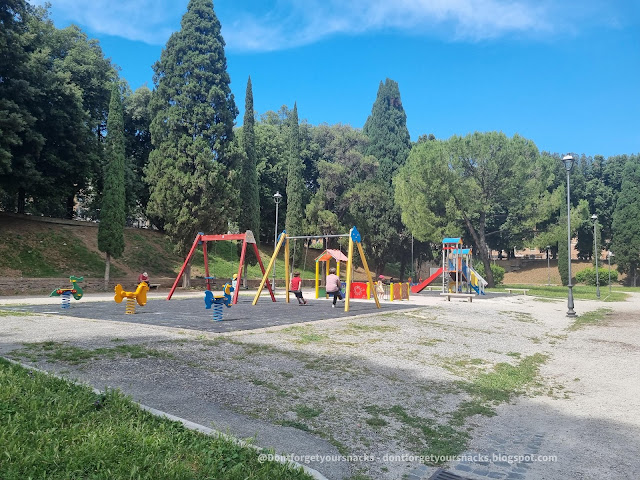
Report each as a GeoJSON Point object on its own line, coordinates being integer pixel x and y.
{"type": "Point", "coordinates": [386, 390]}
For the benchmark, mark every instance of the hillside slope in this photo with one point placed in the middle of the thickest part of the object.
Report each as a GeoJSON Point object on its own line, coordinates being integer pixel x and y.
{"type": "Point", "coordinates": [38, 254]}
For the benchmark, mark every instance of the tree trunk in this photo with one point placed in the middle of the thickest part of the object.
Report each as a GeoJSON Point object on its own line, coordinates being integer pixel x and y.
{"type": "Point", "coordinates": [634, 275]}
{"type": "Point", "coordinates": [107, 267]}
{"type": "Point", "coordinates": [481, 244]}
{"type": "Point", "coordinates": [21, 200]}
{"type": "Point", "coordinates": [403, 266]}
{"type": "Point", "coordinates": [70, 204]}
{"type": "Point", "coordinates": [186, 277]}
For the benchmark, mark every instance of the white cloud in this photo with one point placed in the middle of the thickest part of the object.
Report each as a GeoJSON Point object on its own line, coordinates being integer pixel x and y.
{"type": "Point", "coordinates": [294, 23]}
{"type": "Point", "coordinates": [280, 24]}
{"type": "Point", "coordinates": [149, 21]}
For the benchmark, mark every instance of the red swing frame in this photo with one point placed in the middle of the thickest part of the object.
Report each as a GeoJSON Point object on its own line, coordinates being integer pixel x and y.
{"type": "Point", "coordinates": [201, 238]}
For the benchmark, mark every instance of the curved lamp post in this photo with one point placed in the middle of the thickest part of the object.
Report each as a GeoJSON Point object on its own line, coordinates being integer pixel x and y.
{"type": "Point", "coordinates": [594, 217]}
{"type": "Point", "coordinates": [568, 161]}
{"type": "Point", "coordinates": [276, 198]}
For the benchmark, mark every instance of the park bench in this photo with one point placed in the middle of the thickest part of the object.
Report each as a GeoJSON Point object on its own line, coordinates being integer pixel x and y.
{"type": "Point", "coordinates": [523, 290]}
{"type": "Point", "coordinates": [154, 285]}
{"type": "Point", "coordinates": [468, 296]}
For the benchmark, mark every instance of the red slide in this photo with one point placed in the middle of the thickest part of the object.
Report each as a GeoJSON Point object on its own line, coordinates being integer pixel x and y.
{"type": "Point", "coordinates": [418, 288]}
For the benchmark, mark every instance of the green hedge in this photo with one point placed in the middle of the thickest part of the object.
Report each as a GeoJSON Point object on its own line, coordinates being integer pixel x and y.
{"type": "Point", "coordinates": [588, 276]}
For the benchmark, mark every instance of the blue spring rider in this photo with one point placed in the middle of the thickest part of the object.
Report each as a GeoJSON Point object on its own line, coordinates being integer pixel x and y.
{"type": "Point", "coordinates": [218, 301]}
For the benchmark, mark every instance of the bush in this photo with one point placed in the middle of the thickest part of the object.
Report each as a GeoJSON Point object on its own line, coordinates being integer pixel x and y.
{"type": "Point", "coordinates": [588, 276]}
{"type": "Point", "coordinates": [497, 270]}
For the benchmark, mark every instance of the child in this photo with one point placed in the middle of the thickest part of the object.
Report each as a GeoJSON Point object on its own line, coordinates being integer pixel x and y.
{"type": "Point", "coordinates": [334, 286]}
{"type": "Point", "coordinates": [380, 287]}
{"type": "Point", "coordinates": [296, 282]}
{"type": "Point", "coordinates": [143, 277]}
{"type": "Point", "coordinates": [234, 281]}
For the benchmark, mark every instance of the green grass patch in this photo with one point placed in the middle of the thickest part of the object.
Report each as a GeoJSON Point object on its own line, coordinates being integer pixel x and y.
{"type": "Point", "coordinates": [15, 313]}
{"type": "Point", "coordinates": [51, 254]}
{"type": "Point", "coordinates": [55, 429]}
{"type": "Point", "coordinates": [505, 380]}
{"type": "Point", "coordinates": [590, 318]}
{"type": "Point", "coordinates": [580, 292]}
{"type": "Point", "coordinates": [355, 328]}
{"type": "Point", "coordinates": [468, 409]}
{"type": "Point", "coordinates": [377, 422]}
{"type": "Point", "coordinates": [519, 316]}
{"type": "Point", "coordinates": [292, 423]}
{"type": "Point", "coordinates": [306, 412]}
{"type": "Point", "coordinates": [60, 352]}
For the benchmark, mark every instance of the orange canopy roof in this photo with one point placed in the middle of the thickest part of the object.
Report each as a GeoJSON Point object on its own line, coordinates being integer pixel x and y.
{"type": "Point", "coordinates": [330, 253]}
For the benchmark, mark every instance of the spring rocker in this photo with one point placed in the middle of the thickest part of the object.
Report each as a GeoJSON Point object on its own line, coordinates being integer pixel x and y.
{"type": "Point", "coordinates": [140, 296]}
{"type": "Point", "coordinates": [66, 293]}
{"type": "Point", "coordinates": [218, 301]}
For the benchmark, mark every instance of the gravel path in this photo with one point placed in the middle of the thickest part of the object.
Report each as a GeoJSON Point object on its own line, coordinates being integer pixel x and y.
{"type": "Point", "coordinates": [385, 387]}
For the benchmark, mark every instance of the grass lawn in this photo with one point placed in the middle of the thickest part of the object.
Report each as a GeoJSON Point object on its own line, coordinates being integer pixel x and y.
{"type": "Point", "coordinates": [54, 429]}
{"type": "Point", "coordinates": [580, 292]}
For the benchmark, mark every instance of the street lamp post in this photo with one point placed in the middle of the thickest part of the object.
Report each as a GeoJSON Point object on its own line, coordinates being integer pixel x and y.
{"type": "Point", "coordinates": [568, 165]}
{"type": "Point", "coordinates": [609, 255]}
{"type": "Point", "coordinates": [548, 266]}
{"type": "Point", "coordinates": [276, 198]}
{"type": "Point", "coordinates": [594, 217]}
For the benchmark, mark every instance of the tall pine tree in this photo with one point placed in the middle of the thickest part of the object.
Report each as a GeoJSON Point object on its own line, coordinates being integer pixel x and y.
{"type": "Point", "coordinates": [295, 180]}
{"type": "Point", "coordinates": [112, 214]}
{"type": "Point", "coordinates": [249, 216]}
{"type": "Point", "coordinates": [192, 128]}
{"type": "Point", "coordinates": [626, 222]}
{"type": "Point", "coordinates": [389, 142]}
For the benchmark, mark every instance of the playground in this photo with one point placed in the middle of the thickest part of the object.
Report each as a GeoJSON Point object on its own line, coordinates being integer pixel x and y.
{"type": "Point", "coordinates": [407, 379]}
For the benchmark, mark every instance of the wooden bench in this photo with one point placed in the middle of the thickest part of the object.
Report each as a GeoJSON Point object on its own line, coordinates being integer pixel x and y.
{"type": "Point", "coordinates": [154, 285]}
{"type": "Point", "coordinates": [523, 290]}
{"type": "Point", "coordinates": [468, 296]}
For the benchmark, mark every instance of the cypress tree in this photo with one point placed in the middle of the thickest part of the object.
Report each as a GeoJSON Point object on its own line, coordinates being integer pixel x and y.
{"type": "Point", "coordinates": [626, 221]}
{"type": "Point", "coordinates": [191, 131]}
{"type": "Point", "coordinates": [112, 213]}
{"type": "Point", "coordinates": [386, 127]}
{"type": "Point", "coordinates": [249, 217]}
{"type": "Point", "coordinates": [295, 180]}
{"type": "Point", "coordinates": [389, 142]}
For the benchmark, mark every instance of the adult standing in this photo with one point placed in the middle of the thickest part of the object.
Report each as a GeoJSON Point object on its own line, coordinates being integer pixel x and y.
{"type": "Point", "coordinates": [334, 286]}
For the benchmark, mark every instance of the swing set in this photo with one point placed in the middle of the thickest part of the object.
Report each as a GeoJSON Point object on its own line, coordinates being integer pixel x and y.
{"type": "Point", "coordinates": [202, 239]}
{"type": "Point", "coordinates": [354, 240]}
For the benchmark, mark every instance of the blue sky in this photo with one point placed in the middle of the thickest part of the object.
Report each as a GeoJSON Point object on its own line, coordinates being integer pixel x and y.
{"type": "Point", "coordinates": [565, 74]}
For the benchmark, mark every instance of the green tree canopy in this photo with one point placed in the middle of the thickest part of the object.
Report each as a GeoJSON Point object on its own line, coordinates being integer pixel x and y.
{"type": "Point", "coordinates": [194, 112]}
{"type": "Point", "coordinates": [112, 214]}
{"type": "Point", "coordinates": [384, 235]}
{"type": "Point", "coordinates": [249, 210]}
{"type": "Point", "coordinates": [295, 179]}
{"type": "Point", "coordinates": [626, 221]}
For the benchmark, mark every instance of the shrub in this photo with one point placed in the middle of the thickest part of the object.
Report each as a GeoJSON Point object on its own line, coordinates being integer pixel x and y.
{"type": "Point", "coordinates": [588, 276]}
{"type": "Point", "coordinates": [497, 270]}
